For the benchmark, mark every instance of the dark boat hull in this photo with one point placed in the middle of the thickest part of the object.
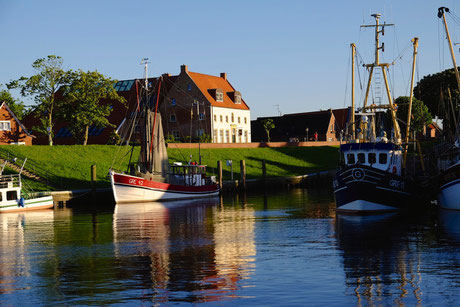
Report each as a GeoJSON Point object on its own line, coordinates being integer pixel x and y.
{"type": "Point", "coordinates": [362, 189]}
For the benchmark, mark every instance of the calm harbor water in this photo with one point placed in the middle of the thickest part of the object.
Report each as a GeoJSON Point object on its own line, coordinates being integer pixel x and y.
{"type": "Point", "coordinates": [284, 248]}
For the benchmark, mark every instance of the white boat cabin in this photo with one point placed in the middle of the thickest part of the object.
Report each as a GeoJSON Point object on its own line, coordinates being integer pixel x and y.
{"type": "Point", "coordinates": [10, 189]}
{"type": "Point", "coordinates": [383, 156]}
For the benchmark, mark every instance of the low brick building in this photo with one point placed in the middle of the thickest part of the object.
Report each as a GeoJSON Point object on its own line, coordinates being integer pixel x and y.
{"type": "Point", "coordinates": [12, 131]}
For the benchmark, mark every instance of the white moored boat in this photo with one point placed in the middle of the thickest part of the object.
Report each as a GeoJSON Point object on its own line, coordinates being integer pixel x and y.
{"type": "Point", "coordinates": [13, 200]}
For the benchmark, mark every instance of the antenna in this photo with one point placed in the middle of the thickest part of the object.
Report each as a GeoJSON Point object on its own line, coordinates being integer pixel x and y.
{"type": "Point", "coordinates": [145, 62]}
{"type": "Point", "coordinates": [278, 109]}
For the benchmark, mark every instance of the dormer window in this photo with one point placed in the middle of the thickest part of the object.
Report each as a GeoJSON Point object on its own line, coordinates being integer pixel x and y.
{"type": "Point", "coordinates": [217, 94]}
{"type": "Point", "coordinates": [219, 97]}
{"type": "Point", "coordinates": [237, 98]}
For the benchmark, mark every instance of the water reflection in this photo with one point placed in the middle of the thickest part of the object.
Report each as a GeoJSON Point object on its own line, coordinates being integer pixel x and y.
{"type": "Point", "coordinates": [449, 221]}
{"type": "Point", "coordinates": [196, 252]}
{"type": "Point", "coordinates": [378, 259]}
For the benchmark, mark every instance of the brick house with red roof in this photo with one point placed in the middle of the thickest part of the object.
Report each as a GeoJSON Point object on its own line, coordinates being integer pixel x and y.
{"type": "Point", "coordinates": [12, 131]}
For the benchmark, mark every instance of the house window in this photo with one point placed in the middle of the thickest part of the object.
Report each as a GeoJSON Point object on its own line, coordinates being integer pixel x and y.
{"type": "Point", "coordinates": [173, 102]}
{"type": "Point", "coordinates": [199, 132]}
{"type": "Point", "coordinates": [172, 118]}
{"type": "Point", "coordinates": [245, 135]}
{"type": "Point", "coordinates": [219, 96]}
{"type": "Point", "coordinates": [227, 135]}
{"type": "Point", "coordinates": [237, 99]}
{"type": "Point", "coordinates": [201, 116]}
{"type": "Point", "coordinates": [176, 135]}
{"type": "Point", "coordinates": [215, 117]}
{"type": "Point", "coordinates": [221, 118]}
{"type": "Point", "coordinates": [5, 126]}
{"type": "Point", "coordinates": [214, 136]}
{"type": "Point", "coordinates": [239, 119]}
{"type": "Point", "coordinates": [226, 118]}
{"type": "Point", "coordinates": [221, 134]}
{"type": "Point", "coordinates": [233, 118]}
{"type": "Point", "coordinates": [189, 87]}
{"type": "Point", "coordinates": [245, 120]}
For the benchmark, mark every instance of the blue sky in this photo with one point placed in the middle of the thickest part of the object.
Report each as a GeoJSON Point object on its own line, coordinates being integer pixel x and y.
{"type": "Point", "coordinates": [294, 54]}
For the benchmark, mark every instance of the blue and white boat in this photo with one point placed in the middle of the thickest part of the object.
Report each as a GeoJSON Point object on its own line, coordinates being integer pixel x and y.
{"type": "Point", "coordinates": [372, 177]}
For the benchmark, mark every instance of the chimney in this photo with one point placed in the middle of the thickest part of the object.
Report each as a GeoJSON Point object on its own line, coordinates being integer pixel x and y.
{"type": "Point", "coordinates": [183, 69]}
{"type": "Point", "coordinates": [166, 75]}
{"type": "Point", "coordinates": [223, 75]}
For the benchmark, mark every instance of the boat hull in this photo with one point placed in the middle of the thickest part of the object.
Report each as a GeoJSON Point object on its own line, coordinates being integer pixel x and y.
{"type": "Point", "coordinates": [362, 189]}
{"type": "Point", "coordinates": [131, 189]}
{"type": "Point", "coordinates": [38, 203]}
{"type": "Point", "coordinates": [449, 188]}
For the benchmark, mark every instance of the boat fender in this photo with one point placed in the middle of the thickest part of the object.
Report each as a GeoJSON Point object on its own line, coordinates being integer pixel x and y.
{"type": "Point", "coordinates": [394, 169]}
{"type": "Point", "coordinates": [21, 202]}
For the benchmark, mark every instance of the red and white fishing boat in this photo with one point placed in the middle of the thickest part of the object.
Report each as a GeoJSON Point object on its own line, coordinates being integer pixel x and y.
{"type": "Point", "coordinates": [152, 178]}
{"type": "Point", "coordinates": [129, 188]}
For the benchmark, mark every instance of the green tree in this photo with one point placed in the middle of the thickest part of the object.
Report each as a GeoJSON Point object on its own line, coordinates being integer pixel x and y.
{"type": "Point", "coordinates": [268, 125]}
{"type": "Point", "coordinates": [15, 105]}
{"type": "Point", "coordinates": [433, 91]}
{"type": "Point", "coordinates": [43, 86]}
{"type": "Point", "coordinates": [82, 106]}
{"type": "Point", "coordinates": [420, 114]}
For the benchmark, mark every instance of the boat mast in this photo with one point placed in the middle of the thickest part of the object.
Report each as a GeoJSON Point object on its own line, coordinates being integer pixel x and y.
{"type": "Point", "coordinates": [441, 14]}
{"type": "Point", "coordinates": [411, 97]}
{"type": "Point", "coordinates": [353, 51]}
{"type": "Point", "coordinates": [382, 66]}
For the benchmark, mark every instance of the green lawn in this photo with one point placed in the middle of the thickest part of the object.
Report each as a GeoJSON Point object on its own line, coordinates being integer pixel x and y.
{"type": "Point", "coordinates": [68, 167]}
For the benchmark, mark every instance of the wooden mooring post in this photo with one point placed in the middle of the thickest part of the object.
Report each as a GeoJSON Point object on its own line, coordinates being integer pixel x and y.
{"type": "Point", "coordinates": [219, 172]}
{"type": "Point", "coordinates": [243, 174]}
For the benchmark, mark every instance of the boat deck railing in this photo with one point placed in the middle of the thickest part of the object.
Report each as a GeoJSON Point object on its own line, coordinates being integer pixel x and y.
{"type": "Point", "coordinates": [10, 181]}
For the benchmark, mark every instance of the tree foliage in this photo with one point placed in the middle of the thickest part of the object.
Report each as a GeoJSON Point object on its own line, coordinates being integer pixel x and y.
{"type": "Point", "coordinates": [15, 105]}
{"type": "Point", "coordinates": [420, 114]}
{"type": "Point", "coordinates": [268, 125]}
{"type": "Point", "coordinates": [49, 77]}
{"type": "Point", "coordinates": [83, 104]}
{"type": "Point", "coordinates": [433, 91]}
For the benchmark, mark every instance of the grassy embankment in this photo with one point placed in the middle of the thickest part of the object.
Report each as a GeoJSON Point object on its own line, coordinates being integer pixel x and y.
{"type": "Point", "coordinates": [68, 167]}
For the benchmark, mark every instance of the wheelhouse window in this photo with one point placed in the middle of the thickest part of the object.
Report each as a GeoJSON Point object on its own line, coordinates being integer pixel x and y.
{"type": "Point", "coordinates": [11, 195]}
{"type": "Point", "coordinates": [361, 158]}
{"type": "Point", "coordinates": [372, 158]}
{"type": "Point", "coordinates": [350, 158]}
{"type": "Point", "coordinates": [383, 158]}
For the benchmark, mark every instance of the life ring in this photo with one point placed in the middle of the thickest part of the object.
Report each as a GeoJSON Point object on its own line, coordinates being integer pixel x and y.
{"type": "Point", "coordinates": [394, 169]}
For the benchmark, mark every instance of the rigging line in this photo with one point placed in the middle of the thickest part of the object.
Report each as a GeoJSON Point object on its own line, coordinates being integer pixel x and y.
{"type": "Point", "coordinates": [155, 118]}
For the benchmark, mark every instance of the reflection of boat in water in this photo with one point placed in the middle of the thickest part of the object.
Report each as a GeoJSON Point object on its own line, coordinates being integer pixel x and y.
{"type": "Point", "coordinates": [450, 223]}
{"type": "Point", "coordinates": [18, 230]}
{"type": "Point", "coordinates": [377, 258]}
{"type": "Point", "coordinates": [188, 248]}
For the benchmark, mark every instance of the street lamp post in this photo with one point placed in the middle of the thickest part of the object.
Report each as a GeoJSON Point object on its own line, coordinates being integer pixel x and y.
{"type": "Point", "coordinates": [307, 133]}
